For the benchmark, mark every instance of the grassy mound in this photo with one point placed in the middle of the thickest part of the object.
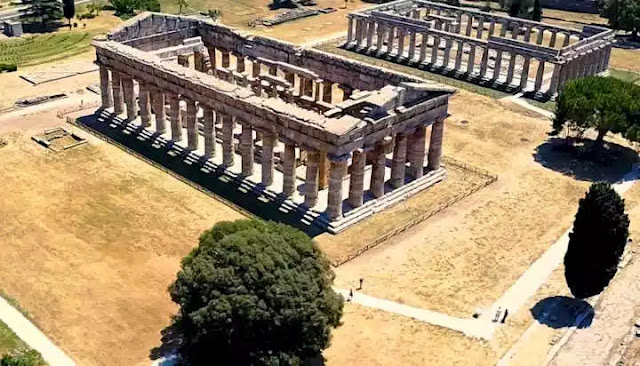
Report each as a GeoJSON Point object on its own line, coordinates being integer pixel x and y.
{"type": "Point", "coordinates": [44, 48]}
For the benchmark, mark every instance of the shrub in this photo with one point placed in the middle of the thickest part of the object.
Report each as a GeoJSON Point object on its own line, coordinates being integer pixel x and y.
{"type": "Point", "coordinates": [8, 67]}
{"type": "Point", "coordinates": [22, 357]}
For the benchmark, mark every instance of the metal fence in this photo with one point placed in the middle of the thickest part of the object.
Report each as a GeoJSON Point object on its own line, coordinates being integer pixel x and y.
{"type": "Point", "coordinates": [415, 221]}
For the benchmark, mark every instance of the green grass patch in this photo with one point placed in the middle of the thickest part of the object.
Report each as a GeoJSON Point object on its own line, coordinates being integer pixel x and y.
{"type": "Point", "coordinates": [34, 50]}
{"type": "Point", "coordinates": [9, 341]}
{"type": "Point", "coordinates": [332, 47]}
{"type": "Point", "coordinates": [629, 76]}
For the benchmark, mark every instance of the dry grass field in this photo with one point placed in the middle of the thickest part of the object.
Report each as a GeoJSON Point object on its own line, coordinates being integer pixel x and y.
{"type": "Point", "coordinates": [92, 238]}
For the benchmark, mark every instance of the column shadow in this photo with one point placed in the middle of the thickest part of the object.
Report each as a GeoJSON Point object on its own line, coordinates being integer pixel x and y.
{"type": "Point", "coordinates": [563, 312]}
{"type": "Point", "coordinates": [197, 171]}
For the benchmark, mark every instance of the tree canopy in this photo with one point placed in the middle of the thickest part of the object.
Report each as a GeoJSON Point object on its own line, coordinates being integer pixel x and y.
{"type": "Point", "coordinates": [622, 15]}
{"type": "Point", "coordinates": [597, 241]}
{"type": "Point", "coordinates": [126, 8]}
{"type": "Point", "coordinates": [527, 9]}
{"type": "Point", "coordinates": [22, 357]}
{"type": "Point", "coordinates": [69, 9]}
{"type": "Point", "coordinates": [47, 11]}
{"type": "Point", "coordinates": [601, 103]}
{"type": "Point", "coordinates": [254, 293]}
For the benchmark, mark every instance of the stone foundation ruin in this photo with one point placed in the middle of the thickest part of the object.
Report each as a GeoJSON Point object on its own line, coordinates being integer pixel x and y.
{"type": "Point", "coordinates": [499, 51]}
{"type": "Point", "coordinates": [329, 136]}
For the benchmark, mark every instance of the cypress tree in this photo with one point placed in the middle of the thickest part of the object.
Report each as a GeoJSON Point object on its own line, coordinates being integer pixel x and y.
{"type": "Point", "coordinates": [597, 242]}
{"type": "Point", "coordinates": [69, 10]}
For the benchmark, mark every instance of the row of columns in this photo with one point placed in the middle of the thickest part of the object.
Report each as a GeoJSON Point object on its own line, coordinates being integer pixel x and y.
{"type": "Point", "coordinates": [408, 149]}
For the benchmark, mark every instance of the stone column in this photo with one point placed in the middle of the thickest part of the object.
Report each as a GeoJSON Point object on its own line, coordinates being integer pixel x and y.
{"type": "Point", "coordinates": [246, 149]}
{"type": "Point", "coordinates": [469, 25]}
{"type": "Point", "coordinates": [503, 28]}
{"type": "Point", "coordinates": [515, 31]}
{"type": "Point", "coordinates": [158, 107]}
{"type": "Point", "coordinates": [356, 180]}
{"type": "Point", "coordinates": [540, 35]}
{"type": "Point", "coordinates": [423, 47]}
{"type": "Point", "coordinates": [105, 88]}
{"type": "Point", "coordinates": [311, 179]}
{"type": "Point", "coordinates": [212, 59]}
{"type": "Point", "coordinates": [129, 98]}
{"type": "Point", "coordinates": [209, 133]}
{"type": "Point", "coordinates": [145, 104]}
{"type": "Point", "coordinates": [380, 36]}
{"type": "Point", "coordinates": [480, 28]}
{"type": "Point", "coordinates": [555, 79]}
{"type": "Point", "coordinates": [402, 33]}
{"type": "Point", "coordinates": [174, 117]}
{"type": "Point", "coordinates": [567, 39]}
{"type": "Point", "coordinates": [399, 161]}
{"type": "Point", "coordinates": [370, 31]}
{"type": "Point", "coordinates": [289, 170]}
{"type": "Point", "coordinates": [412, 45]}
{"type": "Point", "coordinates": [240, 65]}
{"type": "Point", "coordinates": [338, 171]}
{"type": "Point", "coordinates": [198, 61]}
{"type": "Point", "coordinates": [459, 54]}
{"type": "Point", "coordinates": [497, 65]}
{"type": "Point", "coordinates": [358, 32]}
{"type": "Point", "coordinates": [485, 62]}
{"type": "Point", "coordinates": [416, 155]}
{"type": "Point", "coordinates": [510, 70]}
{"type": "Point", "coordinates": [391, 39]}
{"type": "Point", "coordinates": [327, 92]}
{"type": "Point", "coordinates": [118, 98]}
{"type": "Point", "coordinates": [492, 27]}
{"type": "Point", "coordinates": [350, 31]}
{"type": "Point", "coordinates": [435, 144]}
{"type": "Point", "coordinates": [323, 171]}
{"type": "Point", "coordinates": [447, 53]}
{"type": "Point", "coordinates": [378, 169]}
{"type": "Point", "coordinates": [228, 146]}
{"type": "Point", "coordinates": [524, 78]}
{"type": "Point", "coordinates": [268, 143]}
{"type": "Point", "coordinates": [552, 43]}
{"type": "Point", "coordinates": [434, 50]}
{"type": "Point", "coordinates": [527, 34]}
{"type": "Point", "coordinates": [192, 129]}
{"type": "Point", "coordinates": [472, 58]}
{"type": "Point", "coordinates": [539, 75]}
{"type": "Point", "coordinates": [225, 60]}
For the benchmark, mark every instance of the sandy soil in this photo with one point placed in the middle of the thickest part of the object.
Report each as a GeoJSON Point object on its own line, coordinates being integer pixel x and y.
{"type": "Point", "coordinates": [93, 238]}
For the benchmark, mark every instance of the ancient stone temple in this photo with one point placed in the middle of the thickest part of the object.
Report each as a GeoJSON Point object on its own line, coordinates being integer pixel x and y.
{"type": "Point", "coordinates": [498, 51]}
{"type": "Point", "coordinates": [334, 138]}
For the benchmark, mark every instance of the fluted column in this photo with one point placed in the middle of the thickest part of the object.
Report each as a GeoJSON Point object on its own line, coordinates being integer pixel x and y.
{"type": "Point", "coordinates": [418, 147]}
{"type": "Point", "coordinates": [370, 30]}
{"type": "Point", "coordinates": [412, 45]}
{"type": "Point", "coordinates": [567, 39]}
{"type": "Point", "coordinates": [246, 149]}
{"type": "Point", "coordinates": [401, 36]}
{"type": "Point", "coordinates": [447, 53]}
{"type": "Point", "coordinates": [555, 79]}
{"type": "Point", "coordinates": [399, 161]}
{"type": "Point", "coordinates": [105, 88]}
{"type": "Point", "coordinates": [129, 98]}
{"type": "Point", "coordinates": [484, 63]}
{"type": "Point", "coordinates": [539, 75]}
{"type": "Point", "coordinates": [350, 31]}
{"type": "Point", "coordinates": [118, 97]}
{"type": "Point", "coordinates": [174, 117]}
{"type": "Point", "coordinates": [289, 170]}
{"type": "Point", "coordinates": [225, 60]}
{"type": "Point", "coordinates": [227, 139]}
{"type": "Point", "coordinates": [358, 37]}
{"type": "Point", "coordinates": [338, 172]}
{"type": "Point", "coordinates": [469, 25]}
{"type": "Point", "coordinates": [423, 47]}
{"type": "Point", "coordinates": [158, 107]}
{"type": "Point", "coordinates": [459, 54]}
{"type": "Point", "coordinates": [192, 129]}
{"type": "Point", "coordinates": [327, 92]}
{"type": "Point", "coordinates": [524, 78]}
{"type": "Point", "coordinates": [378, 169]}
{"type": "Point", "coordinates": [356, 180]}
{"type": "Point", "coordinates": [268, 143]}
{"type": "Point", "coordinates": [527, 34]}
{"type": "Point", "coordinates": [209, 133]}
{"type": "Point", "coordinates": [480, 28]}
{"type": "Point", "coordinates": [472, 58]}
{"type": "Point", "coordinates": [311, 179]}
{"type": "Point", "coordinates": [497, 68]}
{"type": "Point", "coordinates": [552, 43]}
{"type": "Point", "coordinates": [435, 49]}
{"type": "Point", "coordinates": [515, 31]}
{"type": "Point", "coordinates": [198, 61]}
{"type": "Point", "coordinates": [380, 36]}
{"type": "Point", "coordinates": [145, 104]}
{"type": "Point", "coordinates": [390, 39]}
{"type": "Point", "coordinates": [511, 68]}
{"type": "Point", "coordinates": [435, 144]}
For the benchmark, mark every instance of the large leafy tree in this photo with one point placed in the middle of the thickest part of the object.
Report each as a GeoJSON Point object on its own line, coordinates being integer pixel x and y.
{"type": "Point", "coordinates": [597, 241]}
{"type": "Point", "coordinates": [601, 103]}
{"type": "Point", "coordinates": [254, 293]}
{"type": "Point", "coordinates": [126, 8]}
{"type": "Point", "coordinates": [46, 11]}
{"type": "Point", "coordinates": [622, 15]}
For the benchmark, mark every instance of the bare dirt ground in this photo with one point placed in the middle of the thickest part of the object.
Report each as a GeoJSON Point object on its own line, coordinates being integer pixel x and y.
{"type": "Point", "coordinates": [92, 239]}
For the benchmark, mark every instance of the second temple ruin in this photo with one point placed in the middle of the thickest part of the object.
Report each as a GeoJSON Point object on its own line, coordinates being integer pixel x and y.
{"type": "Point", "coordinates": [498, 51]}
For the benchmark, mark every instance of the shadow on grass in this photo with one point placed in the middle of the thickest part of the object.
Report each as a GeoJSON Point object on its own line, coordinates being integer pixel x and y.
{"type": "Point", "coordinates": [562, 312]}
{"type": "Point", "coordinates": [581, 162]}
{"type": "Point", "coordinates": [196, 172]}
